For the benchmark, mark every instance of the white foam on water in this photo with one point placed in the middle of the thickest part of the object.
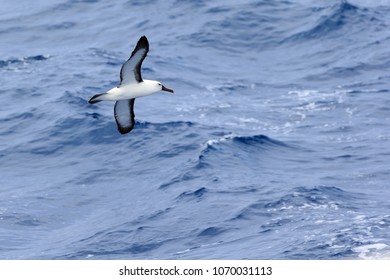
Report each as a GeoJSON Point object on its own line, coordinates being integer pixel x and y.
{"type": "Point", "coordinates": [373, 251]}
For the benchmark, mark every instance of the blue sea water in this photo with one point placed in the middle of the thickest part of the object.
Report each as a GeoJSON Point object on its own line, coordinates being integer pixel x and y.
{"type": "Point", "coordinates": [275, 144]}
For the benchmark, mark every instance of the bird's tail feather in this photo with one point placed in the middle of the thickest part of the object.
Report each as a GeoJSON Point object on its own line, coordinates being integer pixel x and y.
{"type": "Point", "coordinates": [96, 99]}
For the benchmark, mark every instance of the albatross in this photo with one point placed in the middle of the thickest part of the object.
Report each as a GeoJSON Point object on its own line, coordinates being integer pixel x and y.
{"type": "Point", "coordinates": [130, 87]}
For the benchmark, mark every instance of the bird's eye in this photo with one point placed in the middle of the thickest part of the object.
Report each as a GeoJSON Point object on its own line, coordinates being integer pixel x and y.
{"type": "Point", "coordinates": [159, 84]}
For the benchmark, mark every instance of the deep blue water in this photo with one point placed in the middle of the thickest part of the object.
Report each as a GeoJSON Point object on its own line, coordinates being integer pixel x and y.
{"type": "Point", "coordinates": [275, 144]}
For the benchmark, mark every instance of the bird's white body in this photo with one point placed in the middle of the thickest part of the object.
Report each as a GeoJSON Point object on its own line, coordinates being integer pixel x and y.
{"type": "Point", "coordinates": [133, 90]}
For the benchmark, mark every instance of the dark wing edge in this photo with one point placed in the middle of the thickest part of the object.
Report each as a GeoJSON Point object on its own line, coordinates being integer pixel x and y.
{"type": "Point", "coordinates": [143, 44]}
{"type": "Point", "coordinates": [124, 115]}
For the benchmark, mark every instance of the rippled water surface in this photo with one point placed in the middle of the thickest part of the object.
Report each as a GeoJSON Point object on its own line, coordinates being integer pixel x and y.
{"type": "Point", "coordinates": [275, 144]}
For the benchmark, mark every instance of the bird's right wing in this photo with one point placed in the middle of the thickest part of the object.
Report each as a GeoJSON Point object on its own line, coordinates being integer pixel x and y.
{"type": "Point", "coordinates": [131, 69]}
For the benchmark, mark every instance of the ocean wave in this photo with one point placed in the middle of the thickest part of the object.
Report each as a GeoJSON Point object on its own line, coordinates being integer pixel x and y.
{"type": "Point", "coordinates": [134, 237]}
{"type": "Point", "coordinates": [247, 144]}
{"type": "Point", "coordinates": [225, 152]}
{"type": "Point", "coordinates": [340, 210]}
{"type": "Point", "coordinates": [259, 22]}
{"type": "Point", "coordinates": [225, 34]}
{"type": "Point", "coordinates": [23, 61]}
{"type": "Point", "coordinates": [211, 231]}
{"type": "Point", "coordinates": [321, 197]}
{"type": "Point", "coordinates": [99, 129]}
{"type": "Point", "coordinates": [193, 194]}
{"type": "Point", "coordinates": [331, 19]}
{"type": "Point", "coordinates": [65, 132]}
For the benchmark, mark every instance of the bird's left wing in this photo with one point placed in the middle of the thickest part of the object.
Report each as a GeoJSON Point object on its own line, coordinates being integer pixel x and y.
{"type": "Point", "coordinates": [124, 115]}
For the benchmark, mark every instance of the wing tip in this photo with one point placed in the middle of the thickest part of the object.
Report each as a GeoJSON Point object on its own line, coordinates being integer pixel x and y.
{"type": "Point", "coordinates": [143, 38]}
{"type": "Point", "coordinates": [142, 43]}
{"type": "Point", "coordinates": [124, 130]}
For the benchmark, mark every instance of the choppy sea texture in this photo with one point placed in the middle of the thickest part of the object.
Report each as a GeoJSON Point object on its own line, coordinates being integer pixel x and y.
{"type": "Point", "coordinates": [274, 146]}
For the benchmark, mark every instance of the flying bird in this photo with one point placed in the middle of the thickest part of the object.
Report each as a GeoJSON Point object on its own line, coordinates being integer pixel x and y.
{"type": "Point", "coordinates": [130, 87]}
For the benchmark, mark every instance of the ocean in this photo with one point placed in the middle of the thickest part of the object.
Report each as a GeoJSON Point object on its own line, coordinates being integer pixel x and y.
{"type": "Point", "coordinates": [275, 144]}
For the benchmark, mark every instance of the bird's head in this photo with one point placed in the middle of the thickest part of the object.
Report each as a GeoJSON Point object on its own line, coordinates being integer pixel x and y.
{"type": "Point", "coordinates": [154, 86]}
{"type": "Point", "coordinates": [164, 88]}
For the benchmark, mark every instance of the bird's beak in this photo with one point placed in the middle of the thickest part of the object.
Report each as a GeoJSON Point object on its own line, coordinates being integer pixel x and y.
{"type": "Point", "coordinates": [167, 89]}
